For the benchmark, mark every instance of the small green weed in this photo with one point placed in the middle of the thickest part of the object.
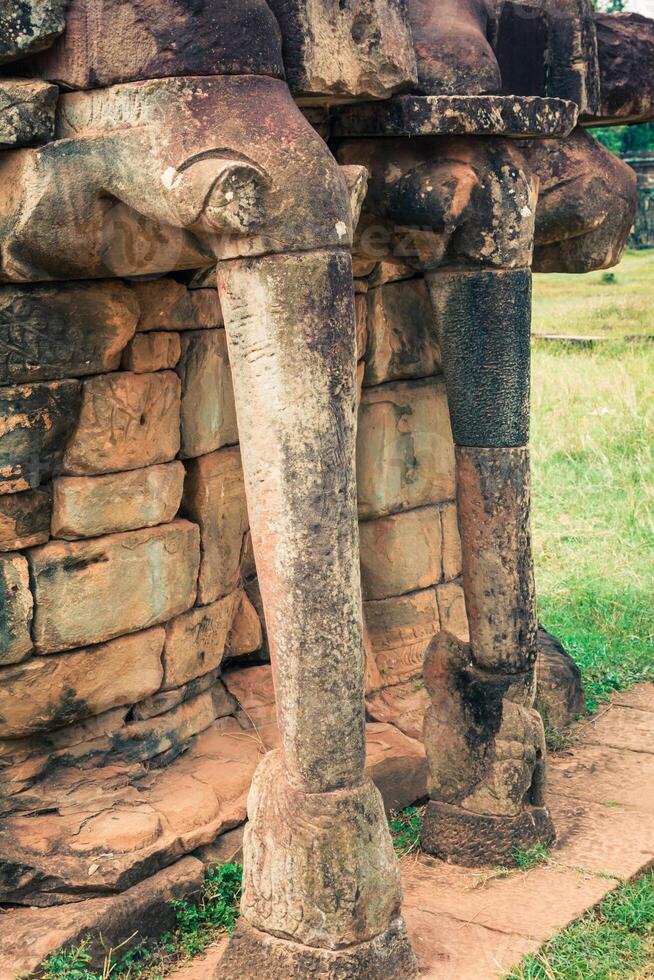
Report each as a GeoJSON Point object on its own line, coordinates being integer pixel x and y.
{"type": "Point", "coordinates": [69, 964]}
{"type": "Point", "coordinates": [406, 827]}
{"type": "Point", "coordinates": [609, 279]}
{"type": "Point", "coordinates": [532, 857]}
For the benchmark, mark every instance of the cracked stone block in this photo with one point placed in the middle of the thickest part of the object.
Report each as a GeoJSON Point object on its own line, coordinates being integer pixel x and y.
{"type": "Point", "coordinates": [36, 422]}
{"type": "Point", "coordinates": [402, 342]}
{"type": "Point", "coordinates": [50, 692]}
{"type": "Point", "coordinates": [165, 304]}
{"type": "Point", "coordinates": [91, 591]}
{"type": "Point", "coordinates": [196, 641]}
{"type": "Point", "coordinates": [65, 331]}
{"type": "Point", "coordinates": [155, 351]}
{"type": "Point", "coordinates": [24, 519]}
{"type": "Point", "coordinates": [16, 606]}
{"type": "Point", "coordinates": [88, 506]}
{"type": "Point", "coordinates": [27, 112]}
{"type": "Point", "coordinates": [400, 553]}
{"type": "Point", "coordinates": [405, 453]}
{"type": "Point", "coordinates": [127, 421]}
{"type": "Point", "coordinates": [214, 497]}
{"type": "Point", "coordinates": [208, 414]}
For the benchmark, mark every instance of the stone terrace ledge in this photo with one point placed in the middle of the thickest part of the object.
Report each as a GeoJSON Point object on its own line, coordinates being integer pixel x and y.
{"type": "Point", "coordinates": [517, 117]}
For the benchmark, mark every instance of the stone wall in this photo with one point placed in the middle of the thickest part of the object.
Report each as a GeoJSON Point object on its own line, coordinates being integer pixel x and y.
{"type": "Point", "coordinates": [136, 698]}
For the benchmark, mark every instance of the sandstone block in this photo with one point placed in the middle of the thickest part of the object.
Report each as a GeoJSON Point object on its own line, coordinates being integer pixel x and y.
{"type": "Point", "coordinates": [16, 605]}
{"type": "Point", "coordinates": [88, 506]}
{"type": "Point", "coordinates": [50, 692]}
{"type": "Point", "coordinates": [196, 641]}
{"type": "Point", "coordinates": [208, 414]}
{"type": "Point", "coordinates": [155, 351]}
{"type": "Point", "coordinates": [91, 591]}
{"type": "Point", "coordinates": [29, 25]}
{"type": "Point", "coordinates": [127, 421]}
{"type": "Point", "coordinates": [27, 112]}
{"type": "Point", "coordinates": [329, 48]}
{"type": "Point", "coordinates": [400, 629]}
{"type": "Point", "coordinates": [164, 701]}
{"type": "Point", "coordinates": [402, 340]}
{"type": "Point", "coordinates": [168, 305]}
{"type": "Point", "coordinates": [452, 558]}
{"type": "Point", "coordinates": [24, 519]}
{"type": "Point", "coordinates": [560, 694]}
{"type": "Point", "coordinates": [626, 59]}
{"type": "Point", "coordinates": [36, 422]}
{"type": "Point", "coordinates": [361, 313]}
{"type": "Point", "coordinates": [405, 453]}
{"type": "Point", "coordinates": [64, 331]}
{"type": "Point", "coordinates": [401, 553]}
{"type": "Point", "coordinates": [214, 497]}
{"type": "Point", "coordinates": [403, 706]}
{"type": "Point", "coordinates": [111, 41]}
{"type": "Point", "coordinates": [246, 635]}
{"type": "Point", "coordinates": [452, 610]}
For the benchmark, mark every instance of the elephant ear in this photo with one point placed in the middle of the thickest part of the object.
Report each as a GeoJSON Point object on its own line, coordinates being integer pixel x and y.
{"type": "Point", "coordinates": [358, 50]}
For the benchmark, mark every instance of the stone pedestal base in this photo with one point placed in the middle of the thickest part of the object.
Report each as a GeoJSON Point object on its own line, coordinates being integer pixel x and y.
{"type": "Point", "coordinates": [252, 953]}
{"type": "Point", "coordinates": [477, 841]}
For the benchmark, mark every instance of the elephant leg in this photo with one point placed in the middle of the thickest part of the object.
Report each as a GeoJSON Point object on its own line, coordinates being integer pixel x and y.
{"type": "Point", "coordinates": [321, 891]}
{"type": "Point", "coordinates": [484, 740]}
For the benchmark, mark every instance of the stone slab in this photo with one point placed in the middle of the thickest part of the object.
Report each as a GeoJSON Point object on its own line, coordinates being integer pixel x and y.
{"type": "Point", "coordinates": [405, 453]}
{"type": "Point", "coordinates": [620, 728]}
{"type": "Point", "coordinates": [214, 497]}
{"type": "Point", "coordinates": [402, 342]}
{"type": "Point", "coordinates": [27, 112]}
{"type": "Point", "coordinates": [158, 350]}
{"type": "Point", "coordinates": [89, 506]}
{"type": "Point", "coordinates": [30, 25]}
{"type": "Point", "coordinates": [36, 422]}
{"type": "Point", "coordinates": [165, 304]}
{"type": "Point", "coordinates": [399, 631]}
{"type": "Point", "coordinates": [91, 591]}
{"type": "Point", "coordinates": [605, 775]}
{"type": "Point", "coordinates": [196, 641]}
{"type": "Point", "coordinates": [641, 697]}
{"type": "Point", "coordinates": [24, 519]}
{"type": "Point", "coordinates": [208, 413]}
{"type": "Point", "coordinates": [452, 556]}
{"type": "Point", "coordinates": [16, 605]}
{"type": "Point", "coordinates": [515, 116]}
{"type": "Point", "coordinates": [452, 610]}
{"type": "Point", "coordinates": [400, 553]}
{"type": "Point", "coordinates": [127, 421]}
{"type": "Point", "coordinates": [50, 692]}
{"type": "Point", "coordinates": [64, 331]}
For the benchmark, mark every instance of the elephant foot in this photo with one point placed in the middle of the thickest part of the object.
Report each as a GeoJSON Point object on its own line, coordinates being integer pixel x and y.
{"type": "Point", "coordinates": [475, 840]}
{"type": "Point", "coordinates": [252, 953]}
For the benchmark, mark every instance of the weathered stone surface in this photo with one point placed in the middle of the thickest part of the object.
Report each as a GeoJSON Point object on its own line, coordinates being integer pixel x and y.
{"type": "Point", "coordinates": [136, 41]}
{"type": "Point", "coordinates": [24, 519]}
{"type": "Point", "coordinates": [405, 453]}
{"type": "Point", "coordinates": [165, 304]}
{"type": "Point", "coordinates": [208, 415]}
{"type": "Point", "coordinates": [16, 605]}
{"type": "Point", "coordinates": [452, 610]}
{"type": "Point", "coordinates": [63, 331]}
{"type": "Point", "coordinates": [196, 641]}
{"type": "Point", "coordinates": [126, 421]}
{"type": "Point", "coordinates": [29, 25]}
{"type": "Point", "coordinates": [361, 313]}
{"type": "Point", "coordinates": [156, 351]}
{"type": "Point", "coordinates": [401, 553]}
{"type": "Point", "coordinates": [493, 492]}
{"type": "Point", "coordinates": [88, 506]}
{"type": "Point", "coordinates": [402, 341]}
{"type": "Point", "coordinates": [27, 112]}
{"type": "Point", "coordinates": [297, 842]}
{"type": "Point", "coordinates": [214, 497]}
{"type": "Point", "coordinates": [452, 557]}
{"type": "Point", "coordinates": [484, 322]}
{"type": "Point", "coordinates": [50, 692]}
{"type": "Point", "coordinates": [403, 706]}
{"type": "Point", "coordinates": [246, 635]}
{"type": "Point", "coordinates": [36, 422]}
{"type": "Point", "coordinates": [452, 49]}
{"type": "Point", "coordinates": [626, 58]}
{"type": "Point", "coordinates": [164, 701]}
{"type": "Point", "coordinates": [33, 934]}
{"type": "Point", "coordinates": [358, 50]}
{"type": "Point", "coordinates": [386, 957]}
{"type": "Point", "coordinates": [560, 695]}
{"type": "Point", "coordinates": [91, 591]}
{"type": "Point", "coordinates": [443, 115]}
{"type": "Point", "coordinates": [400, 630]}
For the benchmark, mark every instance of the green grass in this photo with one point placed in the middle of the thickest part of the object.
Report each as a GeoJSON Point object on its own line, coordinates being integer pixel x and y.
{"type": "Point", "coordinates": [406, 827]}
{"type": "Point", "coordinates": [197, 925]}
{"type": "Point", "coordinates": [590, 305]}
{"type": "Point", "coordinates": [593, 497]}
{"type": "Point", "coordinates": [613, 942]}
